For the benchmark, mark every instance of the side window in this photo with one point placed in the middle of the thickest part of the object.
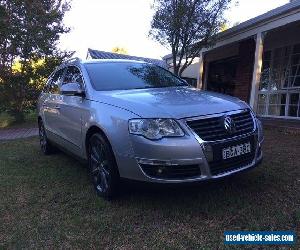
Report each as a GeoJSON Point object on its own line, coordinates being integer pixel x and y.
{"type": "Point", "coordinates": [73, 75]}
{"type": "Point", "coordinates": [55, 81]}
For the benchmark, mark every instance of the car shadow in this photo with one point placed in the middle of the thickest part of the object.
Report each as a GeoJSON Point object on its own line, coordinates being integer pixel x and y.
{"type": "Point", "coordinates": [236, 188]}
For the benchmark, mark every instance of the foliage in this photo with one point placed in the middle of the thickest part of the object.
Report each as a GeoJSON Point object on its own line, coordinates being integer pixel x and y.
{"type": "Point", "coordinates": [9, 121]}
{"type": "Point", "coordinates": [29, 31]}
{"type": "Point", "coordinates": [6, 120]}
{"type": "Point", "coordinates": [120, 50]}
{"type": "Point", "coordinates": [224, 27]}
{"type": "Point", "coordinates": [186, 26]}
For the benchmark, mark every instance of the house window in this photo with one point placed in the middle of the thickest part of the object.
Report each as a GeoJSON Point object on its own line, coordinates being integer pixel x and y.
{"type": "Point", "coordinates": [279, 87]}
{"type": "Point", "coordinates": [294, 72]}
{"type": "Point", "coordinates": [277, 104]}
{"type": "Point", "coordinates": [293, 108]}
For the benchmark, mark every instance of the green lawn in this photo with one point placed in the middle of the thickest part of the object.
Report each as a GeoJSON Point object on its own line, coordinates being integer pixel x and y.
{"type": "Point", "coordinates": [48, 202]}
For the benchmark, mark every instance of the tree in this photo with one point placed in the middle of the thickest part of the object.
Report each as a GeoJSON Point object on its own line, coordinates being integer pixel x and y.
{"type": "Point", "coordinates": [120, 50]}
{"type": "Point", "coordinates": [224, 27]}
{"type": "Point", "coordinates": [29, 33]}
{"type": "Point", "coordinates": [186, 26]}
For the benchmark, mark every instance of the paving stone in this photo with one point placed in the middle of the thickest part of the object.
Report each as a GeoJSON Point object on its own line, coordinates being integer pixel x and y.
{"type": "Point", "coordinates": [18, 133]}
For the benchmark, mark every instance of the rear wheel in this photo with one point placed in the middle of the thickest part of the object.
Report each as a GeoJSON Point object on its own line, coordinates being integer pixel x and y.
{"type": "Point", "coordinates": [46, 146]}
{"type": "Point", "coordinates": [102, 166]}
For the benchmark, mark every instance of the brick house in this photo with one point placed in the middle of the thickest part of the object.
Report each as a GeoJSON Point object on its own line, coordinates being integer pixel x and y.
{"type": "Point", "coordinates": [257, 61]}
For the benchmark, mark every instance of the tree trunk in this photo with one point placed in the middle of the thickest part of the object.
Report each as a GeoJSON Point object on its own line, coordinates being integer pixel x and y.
{"type": "Point", "coordinates": [176, 70]}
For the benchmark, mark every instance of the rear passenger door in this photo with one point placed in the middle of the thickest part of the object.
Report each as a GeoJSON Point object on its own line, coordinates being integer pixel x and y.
{"type": "Point", "coordinates": [71, 110]}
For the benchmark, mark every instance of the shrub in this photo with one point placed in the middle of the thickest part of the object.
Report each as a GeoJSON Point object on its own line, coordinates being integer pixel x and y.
{"type": "Point", "coordinates": [6, 120]}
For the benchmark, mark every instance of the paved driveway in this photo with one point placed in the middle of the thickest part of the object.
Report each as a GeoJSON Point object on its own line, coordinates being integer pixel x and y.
{"type": "Point", "coordinates": [18, 133]}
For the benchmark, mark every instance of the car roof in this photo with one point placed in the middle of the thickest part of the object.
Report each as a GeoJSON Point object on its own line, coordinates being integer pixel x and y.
{"type": "Point", "coordinates": [93, 61]}
{"type": "Point", "coordinates": [96, 61]}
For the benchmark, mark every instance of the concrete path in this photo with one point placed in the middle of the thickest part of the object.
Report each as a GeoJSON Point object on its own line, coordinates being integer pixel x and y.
{"type": "Point", "coordinates": [17, 133]}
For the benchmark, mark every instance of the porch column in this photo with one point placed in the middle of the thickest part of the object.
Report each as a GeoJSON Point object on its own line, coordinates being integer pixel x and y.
{"type": "Point", "coordinates": [256, 70]}
{"type": "Point", "coordinates": [200, 80]}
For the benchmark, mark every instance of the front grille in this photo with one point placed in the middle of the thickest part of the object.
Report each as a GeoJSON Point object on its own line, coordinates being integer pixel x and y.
{"type": "Point", "coordinates": [219, 166]}
{"type": "Point", "coordinates": [171, 171]}
{"type": "Point", "coordinates": [213, 129]}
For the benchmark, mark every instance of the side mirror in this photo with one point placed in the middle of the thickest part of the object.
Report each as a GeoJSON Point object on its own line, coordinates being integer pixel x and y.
{"type": "Point", "coordinates": [72, 89]}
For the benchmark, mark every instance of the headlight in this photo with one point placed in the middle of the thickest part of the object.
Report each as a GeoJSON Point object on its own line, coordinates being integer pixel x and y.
{"type": "Point", "coordinates": [155, 129]}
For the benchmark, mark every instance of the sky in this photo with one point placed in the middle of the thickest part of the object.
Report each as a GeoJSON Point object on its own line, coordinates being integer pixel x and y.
{"type": "Point", "coordinates": [104, 24]}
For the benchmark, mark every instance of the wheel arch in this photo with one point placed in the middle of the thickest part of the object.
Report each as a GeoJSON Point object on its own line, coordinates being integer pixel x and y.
{"type": "Point", "coordinates": [93, 130]}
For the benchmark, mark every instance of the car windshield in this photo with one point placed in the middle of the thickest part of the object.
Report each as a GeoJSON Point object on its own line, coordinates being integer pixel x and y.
{"type": "Point", "coordinates": [130, 75]}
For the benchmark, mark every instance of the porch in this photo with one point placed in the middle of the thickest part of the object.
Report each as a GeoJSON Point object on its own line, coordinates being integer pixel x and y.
{"type": "Point", "coordinates": [259, 62]}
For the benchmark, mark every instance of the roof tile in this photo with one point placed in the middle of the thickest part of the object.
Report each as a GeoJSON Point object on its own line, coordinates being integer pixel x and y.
{"type": "Point", "coordinates": [97, 54]}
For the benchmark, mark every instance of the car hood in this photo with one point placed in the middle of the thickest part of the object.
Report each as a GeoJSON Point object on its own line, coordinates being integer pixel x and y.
{"type": "Point", "coordinates": [173, 102]}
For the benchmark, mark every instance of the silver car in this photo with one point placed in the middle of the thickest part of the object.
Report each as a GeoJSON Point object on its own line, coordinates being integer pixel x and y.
{"type": "Point", "coordinates": [138, 121]}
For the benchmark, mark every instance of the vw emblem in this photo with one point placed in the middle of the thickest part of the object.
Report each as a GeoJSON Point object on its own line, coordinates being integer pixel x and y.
{"type": "Point", "coordinates": [229, 124]}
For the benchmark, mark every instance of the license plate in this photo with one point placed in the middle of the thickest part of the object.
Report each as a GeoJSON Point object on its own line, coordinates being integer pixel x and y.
{"type": "Point", "coordinates": [237, 150]}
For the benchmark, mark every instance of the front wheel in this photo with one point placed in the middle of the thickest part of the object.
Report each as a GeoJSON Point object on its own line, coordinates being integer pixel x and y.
{"type": "Point", "coordinates": [102, 167]}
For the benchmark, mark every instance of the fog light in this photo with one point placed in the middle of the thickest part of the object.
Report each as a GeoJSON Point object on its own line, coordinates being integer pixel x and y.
{"type": "Point", "coordinates": [208, 151]}
{"type": "Point", "coordinates": [153, 162]}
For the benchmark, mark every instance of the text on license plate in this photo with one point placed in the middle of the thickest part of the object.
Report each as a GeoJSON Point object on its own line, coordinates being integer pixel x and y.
{"type": "Point", "coordinates": [237, 150]}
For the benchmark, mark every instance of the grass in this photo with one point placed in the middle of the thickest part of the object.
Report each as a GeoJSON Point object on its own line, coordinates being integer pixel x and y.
{"type": "Point", "coordinates": [8, 121]}
{"type": "Point", "coordinates": [48, 202]}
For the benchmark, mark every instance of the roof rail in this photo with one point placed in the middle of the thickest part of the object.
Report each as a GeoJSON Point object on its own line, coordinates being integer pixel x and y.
{"type": "Point", "coordinates": [74, 59]}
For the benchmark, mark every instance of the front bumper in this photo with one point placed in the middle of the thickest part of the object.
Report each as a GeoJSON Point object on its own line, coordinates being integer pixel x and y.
{"type": "Point", "coordinates": [175, 155]}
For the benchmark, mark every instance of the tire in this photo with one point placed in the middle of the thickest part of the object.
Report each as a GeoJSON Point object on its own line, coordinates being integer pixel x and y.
{"type": "Point", "coordinates": [45, 145]}
{"type": "Point", "coordinates": [103, 169]}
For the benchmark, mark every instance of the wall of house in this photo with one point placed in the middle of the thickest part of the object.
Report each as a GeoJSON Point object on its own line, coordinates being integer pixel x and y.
{"type": "Point", "coordinates": [245, 51]}
{"type": "Point", "coordinates": [284, 36]}
{"type": "Point", "coordinates": [230, 50]}
{"type": "Point", "coordinates": [192, 70]}
{"type": "Point", "coordinates": [245, 69]}
{"type": "Point", "coordinates": [189, 72]}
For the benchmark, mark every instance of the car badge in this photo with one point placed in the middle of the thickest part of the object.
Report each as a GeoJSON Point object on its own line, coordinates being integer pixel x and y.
{"type": "Point", "coordinates": [229, 124]}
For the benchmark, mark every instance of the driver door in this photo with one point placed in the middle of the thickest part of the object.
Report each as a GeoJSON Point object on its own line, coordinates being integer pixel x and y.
{"type": "Point", "coordinates": [50, 105]}
{"type": "Point", "coordinates": [71, 113]}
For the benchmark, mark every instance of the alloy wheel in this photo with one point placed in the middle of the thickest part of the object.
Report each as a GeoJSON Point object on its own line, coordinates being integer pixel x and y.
{"type": "Point", "coordinates": [99, 166]}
